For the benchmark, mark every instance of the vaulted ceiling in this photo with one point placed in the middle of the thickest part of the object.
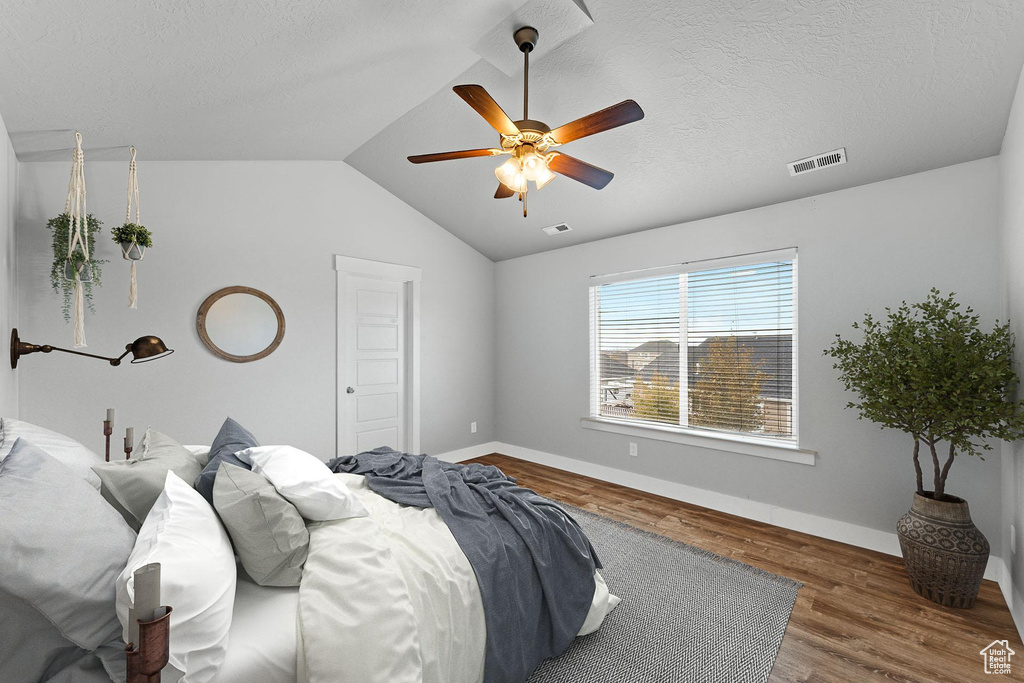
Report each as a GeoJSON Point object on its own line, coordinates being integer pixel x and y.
{"type": "Point", "coordinates": [732, 92]}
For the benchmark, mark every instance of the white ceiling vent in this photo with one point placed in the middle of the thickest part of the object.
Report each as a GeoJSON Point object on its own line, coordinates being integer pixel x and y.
{"type": "Point", "coordinates": [556, 229]}
{"type": "Point", "coordinates": [833, 158]}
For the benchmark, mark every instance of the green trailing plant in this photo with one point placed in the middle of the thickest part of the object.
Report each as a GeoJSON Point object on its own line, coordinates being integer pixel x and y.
{"type": "Point", "coordinates": [931, 371]}
{"type": "Point", "coordinates": [60, 227]}
{"type": "Point", "coordinates": [133, 231]}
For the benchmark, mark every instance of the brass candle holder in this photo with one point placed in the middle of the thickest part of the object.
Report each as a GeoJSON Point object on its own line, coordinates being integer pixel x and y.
{"type": "Point", "coordinates": [146, 660]}
{"type": "Point", "coordinates": [108, 429]}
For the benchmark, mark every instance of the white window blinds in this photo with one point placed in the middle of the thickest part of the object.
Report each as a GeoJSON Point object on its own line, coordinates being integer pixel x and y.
{"type": "Point", "coordinates": [703, 346]}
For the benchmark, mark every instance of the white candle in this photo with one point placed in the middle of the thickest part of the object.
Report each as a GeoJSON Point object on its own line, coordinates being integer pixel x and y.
{"type": "Point", "coordinates": [133, 628]}
{"type": "Point", "coordinates": [147, 593]}
{"type": "Point", "coordinates": [129, 437]}
{"type": "Point", "coordinates": [110, 415]}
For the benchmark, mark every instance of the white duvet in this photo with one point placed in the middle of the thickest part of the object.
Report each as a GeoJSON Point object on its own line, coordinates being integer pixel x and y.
{"type": "Point", "coordinates": [391, 598]}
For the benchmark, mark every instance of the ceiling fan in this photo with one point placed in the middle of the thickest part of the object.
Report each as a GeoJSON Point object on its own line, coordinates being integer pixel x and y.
{"type": "Point", "coordinates": [530, 143]}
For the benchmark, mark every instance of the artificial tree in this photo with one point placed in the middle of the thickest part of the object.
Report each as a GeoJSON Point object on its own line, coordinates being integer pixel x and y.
{"type": "Point", "coordinates": [931, 371]}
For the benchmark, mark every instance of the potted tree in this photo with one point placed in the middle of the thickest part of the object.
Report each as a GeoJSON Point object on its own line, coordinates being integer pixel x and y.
{"type": "Point", "coordinates": [134, 240]}
{"type": "Point", "coordinates": [932, 372]}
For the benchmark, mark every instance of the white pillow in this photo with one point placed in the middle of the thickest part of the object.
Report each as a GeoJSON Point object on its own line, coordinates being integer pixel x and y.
{"type": "Point", "coordinates": [199, 451]}
{"type": "Point", "coordinates": [305, 482]}
{"type": "Point", "coordinates": [69, 452]}
{"type": "Point", "coordinates": [197, 577]}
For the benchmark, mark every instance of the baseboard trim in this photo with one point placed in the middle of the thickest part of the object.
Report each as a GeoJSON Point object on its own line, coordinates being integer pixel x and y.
{"type": "Point", "coordinates": [1014, 599]}
{"type": "Point", "coordinates": [471, 452]}
{"type": "Point", "coordinates": [814, 525]}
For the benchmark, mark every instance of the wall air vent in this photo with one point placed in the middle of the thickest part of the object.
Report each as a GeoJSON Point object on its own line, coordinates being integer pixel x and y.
{"type": "Point", "coordinates": [556, 229]}
{"type": "Point", "coordinates": [833, 158]}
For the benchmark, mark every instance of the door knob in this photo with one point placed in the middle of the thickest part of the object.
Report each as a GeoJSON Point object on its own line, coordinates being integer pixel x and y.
{"type": "Point", "coordinates": [350, 390]}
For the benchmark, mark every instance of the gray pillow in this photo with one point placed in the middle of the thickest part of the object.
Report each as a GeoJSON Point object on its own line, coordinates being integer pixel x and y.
{"type": "Point", "coordinates": [132, 486]}
{"type": "Point", "coordinates": [231, 438]}
{"type": "Point", "coordinates": [65, 449]}
{"type": "Point", "coordinates": [269, 534]}
{"type": "Point", "coordinates": [61, 550]}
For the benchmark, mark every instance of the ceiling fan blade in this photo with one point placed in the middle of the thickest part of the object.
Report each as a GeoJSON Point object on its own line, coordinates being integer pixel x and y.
{"type": "Point", "coordinates": [479, 99]}
{"type": "Point", "coordinates": [503, 192]}
{"type": "Point", "coordinates": [614, 116]}
{"type": "Point", "coordinates": [571, 167]}
{"type": "Point", "coordinates": [447, 156]}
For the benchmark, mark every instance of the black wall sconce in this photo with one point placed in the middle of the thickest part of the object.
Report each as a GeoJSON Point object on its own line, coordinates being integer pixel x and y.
{"type": "Point", "coordinates": [143, 349]}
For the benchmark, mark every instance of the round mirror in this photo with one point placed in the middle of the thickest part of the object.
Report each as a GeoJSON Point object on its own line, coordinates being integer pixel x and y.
{"type": "Point", "coordinates": [240, 324]}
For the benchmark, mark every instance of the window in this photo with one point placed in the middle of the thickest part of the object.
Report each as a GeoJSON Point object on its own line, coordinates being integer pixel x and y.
{"type": "Point", "coordinates": [705, 347]}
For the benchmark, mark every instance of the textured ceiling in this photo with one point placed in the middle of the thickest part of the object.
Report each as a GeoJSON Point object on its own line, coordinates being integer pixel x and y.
{"type": "Point", "coordinates": [243, 79]}
{"type": "Point", "coordinates": [732, 89]}
{"type": "Point", "coordinates": [732, 92]}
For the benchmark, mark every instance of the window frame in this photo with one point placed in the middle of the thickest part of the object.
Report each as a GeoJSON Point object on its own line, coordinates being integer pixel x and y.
{"type": "Point", "coordinates": [789, 450]}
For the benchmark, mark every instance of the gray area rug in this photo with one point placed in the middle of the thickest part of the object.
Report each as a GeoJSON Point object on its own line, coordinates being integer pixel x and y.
{"type": "Point", "coordinates": [687, 615]}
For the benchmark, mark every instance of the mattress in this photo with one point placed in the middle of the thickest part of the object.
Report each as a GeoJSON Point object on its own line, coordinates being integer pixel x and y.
{"type": "Point", "coordinates": [262, 643]}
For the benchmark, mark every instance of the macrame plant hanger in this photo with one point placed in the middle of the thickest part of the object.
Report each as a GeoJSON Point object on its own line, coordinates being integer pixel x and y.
{"type": "Point", "coordinates": [133, 194]}
{"type": "Point", "coordinates": [78, 232]}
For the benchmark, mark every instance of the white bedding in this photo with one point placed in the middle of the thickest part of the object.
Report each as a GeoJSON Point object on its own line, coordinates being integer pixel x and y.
{"type": "Point", "coordinates": [388, 598]}
{"type": "Point", "coordinates": [262, 642]}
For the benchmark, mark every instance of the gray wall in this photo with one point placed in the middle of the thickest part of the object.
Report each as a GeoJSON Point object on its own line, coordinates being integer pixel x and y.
{"type": "Point", "coordinates": [269, 225]}
{"type": "Point", "coordinates": [8, 270]}
{"type": "Point", "coordinates": [1011, 217]}
{"type": "Point", "coordinates": [859, 250]}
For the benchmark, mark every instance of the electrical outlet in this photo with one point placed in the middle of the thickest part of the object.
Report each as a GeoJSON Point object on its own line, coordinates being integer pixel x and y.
{"type": "Point", "coordinates": [472, 427]}
{"type": "Point", "coordinates": [632, 448]}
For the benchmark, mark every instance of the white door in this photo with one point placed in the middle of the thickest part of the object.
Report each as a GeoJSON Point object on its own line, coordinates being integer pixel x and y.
{"type": "Point", "coordinates": [373, 400]}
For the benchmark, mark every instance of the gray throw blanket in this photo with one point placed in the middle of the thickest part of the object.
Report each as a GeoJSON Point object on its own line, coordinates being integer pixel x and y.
{"type": "Point", "coordinates": [534, 564]}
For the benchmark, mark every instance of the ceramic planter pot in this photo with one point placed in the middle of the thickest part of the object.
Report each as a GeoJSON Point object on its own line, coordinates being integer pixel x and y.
{"type": "Point", "coordinates": [84, 271]}
{"type": "Point", "coordinates": [131, 251]}
{"type": "Point", "coordinates": [945, 554]}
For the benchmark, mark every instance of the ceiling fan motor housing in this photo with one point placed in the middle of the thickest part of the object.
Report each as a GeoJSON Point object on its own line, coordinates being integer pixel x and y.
{"type": "Point", "coordinates": [526, 38]}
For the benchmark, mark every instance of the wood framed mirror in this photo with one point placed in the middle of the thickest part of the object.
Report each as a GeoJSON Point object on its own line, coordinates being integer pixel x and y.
{"type": "Point", "coordinates": [240, 324]}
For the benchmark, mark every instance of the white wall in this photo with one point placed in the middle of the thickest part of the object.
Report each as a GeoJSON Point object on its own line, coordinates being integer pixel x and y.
{"type": "Point", "coordinates": [1011, 166]}
{"type": "Point", "coordinates": [270, 225]}
{"type": "Point", "coordinates": [859, 250]}
{"type": "Point", "coordinates": [8, 270]}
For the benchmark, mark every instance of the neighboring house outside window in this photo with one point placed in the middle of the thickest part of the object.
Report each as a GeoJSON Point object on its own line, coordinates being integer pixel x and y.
{"type": "Point", "coordinates": [706, 347]}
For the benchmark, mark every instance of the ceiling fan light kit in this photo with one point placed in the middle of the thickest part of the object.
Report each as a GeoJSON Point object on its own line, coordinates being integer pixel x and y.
{"type": "Point", "coordinates": [530, 143]}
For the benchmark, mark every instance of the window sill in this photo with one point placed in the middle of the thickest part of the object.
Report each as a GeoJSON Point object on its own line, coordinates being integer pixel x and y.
{"type": "Point", "coordinates": [775, 451]}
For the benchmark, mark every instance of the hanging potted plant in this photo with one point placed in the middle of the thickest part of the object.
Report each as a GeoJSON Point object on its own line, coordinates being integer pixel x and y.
{"type": "Point", "coordinates": [133, 237]}
{"type": "Point", "coordinates": [932, 372]}
{"type": "Point", "coordinates": [134, 240]}
{"type": "Point", "coordinates": [68, 269]}
{"type": "Point", "coordinates": [75, 270]}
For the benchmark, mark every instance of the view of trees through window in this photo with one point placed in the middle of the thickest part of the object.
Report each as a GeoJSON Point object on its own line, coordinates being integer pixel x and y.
{"type": "Point", "coordinates": [736, 374]}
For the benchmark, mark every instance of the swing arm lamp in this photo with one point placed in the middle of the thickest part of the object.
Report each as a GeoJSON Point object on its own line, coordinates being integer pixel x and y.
{"type": "Point", "coordinates": [143, 349]}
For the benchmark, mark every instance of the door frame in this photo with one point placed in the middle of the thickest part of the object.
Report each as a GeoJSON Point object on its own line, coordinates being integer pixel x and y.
{"type": "Point", "coordinates": [410, 276]}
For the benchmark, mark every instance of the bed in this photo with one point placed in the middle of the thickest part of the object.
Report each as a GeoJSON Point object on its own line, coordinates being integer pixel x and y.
{"type": "Point", "coordinates": [389, 595]}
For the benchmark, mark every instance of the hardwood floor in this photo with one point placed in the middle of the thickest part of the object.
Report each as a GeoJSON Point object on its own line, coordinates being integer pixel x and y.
{"type": "Point", "coordinates": [855, 619]}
